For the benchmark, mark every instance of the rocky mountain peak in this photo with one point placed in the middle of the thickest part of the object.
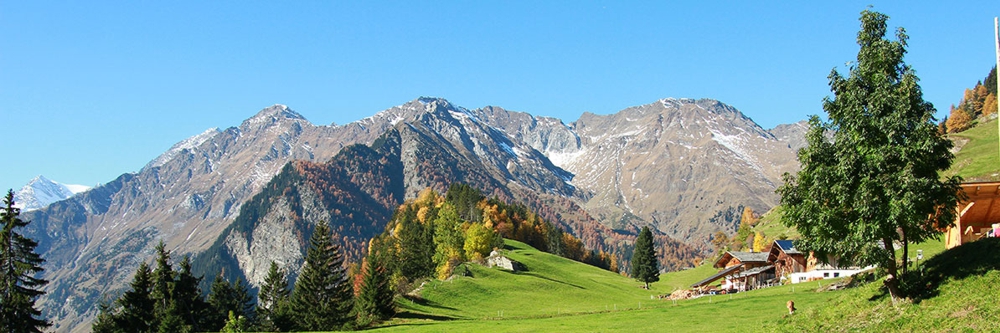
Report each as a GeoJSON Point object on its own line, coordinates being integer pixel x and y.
{"type": "Point", "coordinates": [271, 115]}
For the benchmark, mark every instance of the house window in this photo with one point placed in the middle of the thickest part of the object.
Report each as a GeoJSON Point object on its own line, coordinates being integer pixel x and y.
{"type": "Point", "coordinates": [836, 274]}
{"type": "Point", "coordinates": [826, 275]}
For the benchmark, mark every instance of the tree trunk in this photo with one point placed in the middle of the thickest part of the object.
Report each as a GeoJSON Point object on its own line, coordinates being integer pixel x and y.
{"type": "Point", "coordinates": [892, 280]}
{"type": "Point", "coordinates": [906, 252]}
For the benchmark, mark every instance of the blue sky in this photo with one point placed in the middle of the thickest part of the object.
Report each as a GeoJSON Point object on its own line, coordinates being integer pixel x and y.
{"type": "Point", "coordinates": [91, 90]}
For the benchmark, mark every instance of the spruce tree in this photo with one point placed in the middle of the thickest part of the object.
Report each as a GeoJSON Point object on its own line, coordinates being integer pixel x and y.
{"type": "Point", "coordinates": [187, 296]}
{"type": "Point", "coordinates": [272, 301]}
{"type": "Point", "coordinates": [375, 301]}
{"type": "Point", "coordinates": [19, 266]}
{"type": "Point", "coordinates": [137, 305]}
{"type": "Point", "coordinates": [226, 297]}
{"type": "Point", "coordinates": [644, 265]}
{"type": "Point", "coordinates": [163, 281]}
{"type": "Point", "coordinates": [322, 298]}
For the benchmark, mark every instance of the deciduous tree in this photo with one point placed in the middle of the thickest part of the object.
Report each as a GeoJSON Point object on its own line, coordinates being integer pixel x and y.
{"type": "Point", "coordinates": [876, 183]}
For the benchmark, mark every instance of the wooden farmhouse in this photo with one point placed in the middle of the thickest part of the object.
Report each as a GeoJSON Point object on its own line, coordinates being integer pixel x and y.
{"type": "Point", "coordinates": [786, 259]}
{"type": "Point", "coordinates": [742, 271]}
{"type": "Point", "coordinates": [978, 214]}
{"type": "Point", "coordinates": [782, 263]}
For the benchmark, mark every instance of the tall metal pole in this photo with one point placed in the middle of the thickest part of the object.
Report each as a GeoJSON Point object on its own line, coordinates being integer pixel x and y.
{"type": "Point", "coordinates": [996, 33]}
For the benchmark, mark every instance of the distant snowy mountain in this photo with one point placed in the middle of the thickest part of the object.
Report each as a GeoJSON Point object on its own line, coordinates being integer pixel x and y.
{"type": "Point", "coordinates": [41, 192]}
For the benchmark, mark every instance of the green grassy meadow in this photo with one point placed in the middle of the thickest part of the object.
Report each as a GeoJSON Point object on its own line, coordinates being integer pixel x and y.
{"type": "Point", "coordinates": [556, 294]}
{"type": "Point", "coordinates": [979, 158]}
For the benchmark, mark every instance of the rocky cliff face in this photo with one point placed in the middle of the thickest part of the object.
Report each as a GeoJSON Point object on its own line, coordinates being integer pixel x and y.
{"type": "Point", "coordinates": [231, 198]}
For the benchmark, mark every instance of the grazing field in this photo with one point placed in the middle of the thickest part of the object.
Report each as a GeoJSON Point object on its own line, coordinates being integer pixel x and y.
{"type": "Point", "coordinates": [979, 158]}
{"type": "Point", "coordinates": [957, 293]}
{"type": "Point", "coordinates": [559, 294]}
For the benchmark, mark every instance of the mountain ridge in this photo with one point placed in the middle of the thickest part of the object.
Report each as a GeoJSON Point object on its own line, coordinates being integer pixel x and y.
{"type": "Point", "coordinates": [190, 198]}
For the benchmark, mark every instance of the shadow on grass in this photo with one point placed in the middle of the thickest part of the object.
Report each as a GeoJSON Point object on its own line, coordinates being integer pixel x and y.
{"type": "Point", "coordinates": [427, 316]}
{"type": "Point", "coordinates": [423, 302]}
{"type": "Point", "coordinates": [550, 279]}
{"type": "Point", "coordinates": [970, 259]}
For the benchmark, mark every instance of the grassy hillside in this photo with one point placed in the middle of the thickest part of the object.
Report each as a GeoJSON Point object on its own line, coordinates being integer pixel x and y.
{"type": "Point", "coordinates": [770, 225]}
{"type": "Point", "coordinates": [551, 285]}
{"type": "Point", "coordinates": [978, 158]}
{"type": "Point", "coordinates": [957, 291]}
{"type": "Point", "coordinates": [958, 294]}
{"type": "Point", "coordinates": [556, 294]}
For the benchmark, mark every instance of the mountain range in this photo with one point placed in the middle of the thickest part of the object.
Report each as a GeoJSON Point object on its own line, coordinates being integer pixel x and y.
{"type": "Point", "coordinates": [238, 198]}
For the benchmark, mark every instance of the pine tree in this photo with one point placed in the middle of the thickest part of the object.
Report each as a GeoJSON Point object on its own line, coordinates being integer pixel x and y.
{"type": "Point", "coordinates": [163, 281]}
{"type": "Point", "coordinates": [322, 298]}
{"type": "Point", "coordinates": [187, 296]}
{"type": "Point", "coordinates": [375, 301]}
{"type": "Point", "coordinates": [19, 266]}
{"type": "Point", "coordinates": [644, 265]}
{"type": "Point", "coordinates": [226, 297]}
{"type": "Point", "coordinates": [137, 305]}
{"type": "Point", "coordinates": [272, 301]}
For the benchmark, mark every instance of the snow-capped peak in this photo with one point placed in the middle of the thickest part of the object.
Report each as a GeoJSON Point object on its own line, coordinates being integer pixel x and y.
{"type": "Point", "coordinates": [41, 192]}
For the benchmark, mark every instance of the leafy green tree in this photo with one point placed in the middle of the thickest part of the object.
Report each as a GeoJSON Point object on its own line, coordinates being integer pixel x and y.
{"type": "Point", "coordinates": [272, 301]}
{"type": "Point", "coordinates": [234, 324]}
{"type": "Point", "coordinates": [322, 298]}
{"type": "Point", "coordinates": [877, 182]}
{"type": "Point", "coordinates": [375, 300]}
{"type": "Point", "coordinates": [479, 240]}
{"type": "Point", "coordinates": [645, 268]}
{"type": "Point", "coordinates": [19, 264]}
{"type": "Point", "coordinates": [449, 239]}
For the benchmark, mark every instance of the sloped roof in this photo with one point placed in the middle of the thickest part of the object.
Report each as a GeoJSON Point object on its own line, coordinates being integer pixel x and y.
{"type": "Point", "coordinates": [750, 256]}
{"type": "Point", "coordinates": [787, 246]}
{"type": "Point", "coordinates": [718, 275]}
{"type": "Point", "coordinates": [755, 271]}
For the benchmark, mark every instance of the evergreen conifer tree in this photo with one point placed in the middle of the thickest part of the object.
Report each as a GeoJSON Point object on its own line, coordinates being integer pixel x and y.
{"type": "Point", "coordinates": [375, 301]}
{"type": "Point", "coordinates": [272, 301]}
{"type": "Point", "coordinates": [322, 298]}
{"type": "Point", "coordinates": [137, 305]}
{"type": "Point", "coordinates": [19, 266]}
{"type": "Point", "coordinates": [644, 265]}
{"type": "Point", "coordinates": [163, 281]}
{"type": "Point", "coordinates": [226, 297]}
{"type": "Point", "coordinates": [187, 296]}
